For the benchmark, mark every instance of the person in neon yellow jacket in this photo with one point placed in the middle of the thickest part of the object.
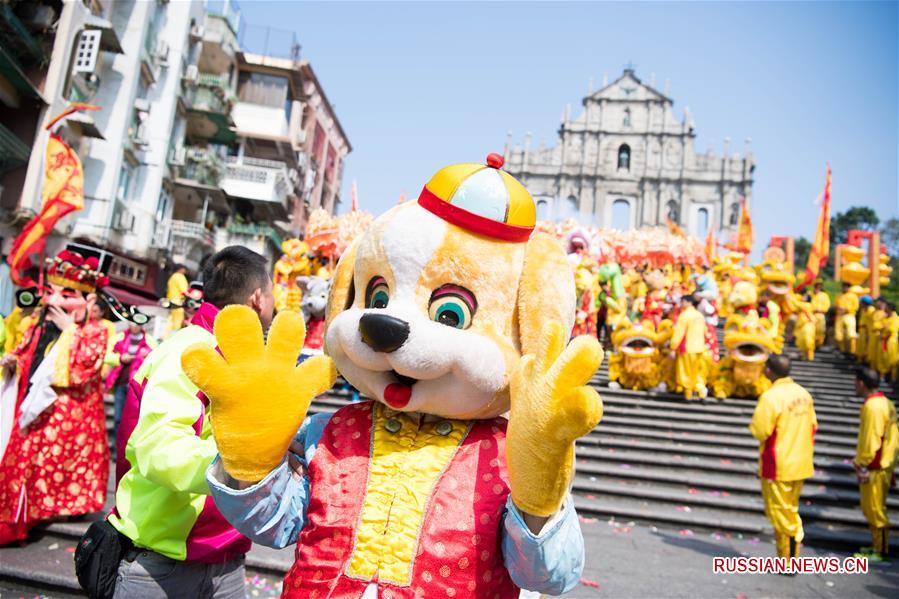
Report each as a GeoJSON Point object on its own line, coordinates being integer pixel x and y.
{"type": "Point", "coordinates": [164, 446]}
{"type": "Point", "coordinates": [875, 458]}
{"type": "Point", "coordinates": [784, 423]}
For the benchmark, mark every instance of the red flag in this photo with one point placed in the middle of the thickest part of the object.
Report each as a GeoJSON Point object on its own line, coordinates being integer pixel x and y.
{"type": "Point", "coordinates": [820, 251]}
{"type": "Point", "coordinates": [63, 193]}
{"type": "Point", "coordinates": [354, 204]}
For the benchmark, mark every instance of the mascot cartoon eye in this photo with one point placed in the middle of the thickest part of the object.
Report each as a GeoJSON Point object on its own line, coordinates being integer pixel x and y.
{"type": "Point", "coordinates": [377, 294]}
{"type": "Point", "coordinates": [453, 306]}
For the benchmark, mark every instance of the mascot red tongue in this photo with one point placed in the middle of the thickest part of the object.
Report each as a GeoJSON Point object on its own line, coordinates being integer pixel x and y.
{"type": "Point", "coordinates": [397, 395]}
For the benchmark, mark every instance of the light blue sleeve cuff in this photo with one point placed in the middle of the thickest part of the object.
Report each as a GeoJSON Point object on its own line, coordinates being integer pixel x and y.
{"type": "Point", "coordinates": [271, 512]}
{"type": "Point", "coordinates": [550, 563]}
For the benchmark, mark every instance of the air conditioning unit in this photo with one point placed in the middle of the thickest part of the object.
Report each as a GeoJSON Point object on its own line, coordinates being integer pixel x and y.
{"type": "Point", "coordinates": [125, 221]}
{"type": "Point", "coordinates": [179, 154]}
{"type": "Point", "coordinates": [142, 105]}
{"type": "Point", "coordinates": [196, 33]}
{"type": "Point", "coordinates": [191, 75]}
{"type": "Point", "coordinates": [87, 51]}
{"type": "Point", "coordinates": [301, 137]}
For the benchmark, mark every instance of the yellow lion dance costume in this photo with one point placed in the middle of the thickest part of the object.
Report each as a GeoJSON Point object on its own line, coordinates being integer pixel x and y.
{"type": "Point", "coordinates": [638, 361]}
{"type": "Point", "coordinates": [294, 262]}
{"type": "Point", "coordinates": [742, 372]}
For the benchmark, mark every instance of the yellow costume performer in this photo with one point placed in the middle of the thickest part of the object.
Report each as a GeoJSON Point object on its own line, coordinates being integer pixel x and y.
{"type": "Point", "coordinates": [784, 423]}
{"type": "Point", "coordinates": [878, 441]}
{"type": "Point", "coordinates": [176, 287]}
{"type": "Point", "coordinates": [293, 263]}
{"type": "Point", "coordinates": [638, 362]}
{"type": "Point", "coordinates": [16, 325]}
{"type": "Point", "coordinates": [875, 327]}
{"type": "Point", "coordinates": [741, 373]}
{"type": "Point", "coordinates": [865, 314]}
{"type": "Point", "coordinates": [820, 305]}
{"type": "Point", "coordinates": [805, 330]}
{"type": "Point", "coordinates": [888, 351]}
{"type": "Point", "coordinates": [688, 340]}
{"type": "Point", "coordinates": [845, 332]}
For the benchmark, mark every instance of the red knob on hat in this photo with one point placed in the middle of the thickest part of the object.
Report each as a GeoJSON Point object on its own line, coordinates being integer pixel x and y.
{"type": "Point", "coordinates": [495, 160]}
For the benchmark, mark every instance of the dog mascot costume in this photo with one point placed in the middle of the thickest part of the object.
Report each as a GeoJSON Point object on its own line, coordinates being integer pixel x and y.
{"type": "Point", "coordinates": [447, 313]}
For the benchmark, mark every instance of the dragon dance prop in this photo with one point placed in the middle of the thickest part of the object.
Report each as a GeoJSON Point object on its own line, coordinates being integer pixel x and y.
{"type": "Point", "coordinates": [654, 246]}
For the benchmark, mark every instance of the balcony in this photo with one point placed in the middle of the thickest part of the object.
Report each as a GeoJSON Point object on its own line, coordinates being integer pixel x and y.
{"type": "Point", "coordinates": [197, 174]}
{"type": "Point", "coordinates": [220, 47]}
{"type": "Point", "coordinates": [255, 231]}
{"type": "Point", "coordinates": [265, 183]}
{"type": "Point", "coordinates": [209, 106]}
{"type": "Point", "coordinates": [190, 241]}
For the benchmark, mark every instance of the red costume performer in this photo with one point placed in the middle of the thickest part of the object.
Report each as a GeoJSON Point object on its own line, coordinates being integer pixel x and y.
{"type": "Point", "coordinates": [56, 462]}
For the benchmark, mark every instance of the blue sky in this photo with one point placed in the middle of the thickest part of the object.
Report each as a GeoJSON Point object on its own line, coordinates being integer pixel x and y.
{"type": "Point", "coordinates": [421, 85]}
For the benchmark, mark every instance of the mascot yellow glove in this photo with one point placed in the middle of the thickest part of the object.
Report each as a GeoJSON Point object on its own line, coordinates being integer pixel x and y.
{"type": "Point", "coordinates": [259, 395]}
{"type": "Point", "coordinates": [552, 406]}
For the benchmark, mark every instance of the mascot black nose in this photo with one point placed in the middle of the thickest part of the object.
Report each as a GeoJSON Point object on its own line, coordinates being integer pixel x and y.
{"type": "Point", "coordinates": [383, 333]}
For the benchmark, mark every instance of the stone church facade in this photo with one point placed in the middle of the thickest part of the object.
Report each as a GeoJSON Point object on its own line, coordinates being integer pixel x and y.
{"type": "Point", "coordinates": [627, 161]}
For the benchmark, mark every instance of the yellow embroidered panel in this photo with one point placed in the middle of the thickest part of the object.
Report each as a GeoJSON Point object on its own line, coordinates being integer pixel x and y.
{"type": "Point", "coordinates": [63, 358]}
{"type": "Point", "coordinates": [408, 458]}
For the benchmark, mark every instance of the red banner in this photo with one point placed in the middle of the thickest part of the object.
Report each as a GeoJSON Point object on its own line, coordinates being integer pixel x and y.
{"type": "Point", "coordinates": [63, 193]}
{"type": "Point", "coordinates": [820, 252]}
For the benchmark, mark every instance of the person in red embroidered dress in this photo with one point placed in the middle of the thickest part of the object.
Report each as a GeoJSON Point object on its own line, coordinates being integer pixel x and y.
{"type": "Point", "coordinates": [56, 462]}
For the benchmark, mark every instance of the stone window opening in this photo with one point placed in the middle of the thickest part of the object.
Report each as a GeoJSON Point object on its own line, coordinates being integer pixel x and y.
{"type": "Point", "coordinates": [673, 211]}
{"type": "Point", "coordinates": [624, 157]}
{"type": "Point", "coordinates": [627, 117]}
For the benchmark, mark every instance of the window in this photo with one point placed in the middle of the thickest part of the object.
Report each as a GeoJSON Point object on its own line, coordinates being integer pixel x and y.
{"type": "Point", "coordinates": [542, 210]}
{"type": "Point", "coordinates": [126, 180]}
{"type": "Point", "coordinates": [318, 142]}
{"type": "Point", "coordinates": [627, 117]}
{"type": "Point", "coordinates": [702, 221]}
{"type": "Point", "coordinates": [162, 207]}
{"type": "Point", "coordinates": [263, 89]}
{"type": "Point", "coordinates": [571, 207]}
{"type": "Point", "coordinates": [624, 157]}
{"type": "Point", "coordinates": [673, 212]}
{"type": "Point", "coordinates": [734, 214]}
{"type": "Point", "coordinates": [621, 215]}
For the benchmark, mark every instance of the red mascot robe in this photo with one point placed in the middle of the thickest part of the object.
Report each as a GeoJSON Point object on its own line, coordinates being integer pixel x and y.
{"type": "Point", "coordinates": [59, 464]}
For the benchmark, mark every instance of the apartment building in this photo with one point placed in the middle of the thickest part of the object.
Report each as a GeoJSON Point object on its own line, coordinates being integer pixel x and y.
{"type": "Point", "coordinates": [198, 145]}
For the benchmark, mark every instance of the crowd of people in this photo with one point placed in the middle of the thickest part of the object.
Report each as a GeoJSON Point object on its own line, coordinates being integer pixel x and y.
{"type": "Point", "coordinates": [661, 323]}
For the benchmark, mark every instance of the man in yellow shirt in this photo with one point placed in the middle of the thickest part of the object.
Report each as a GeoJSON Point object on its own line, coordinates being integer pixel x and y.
{"type": "Point", "coordinates": [784, 423]}
{"type": "Point", "coordinates": [689, 348]}
{"type": "Point", "coordinates": [844, 331]}
{"type": "Point", "coordinates": [821, 305]}
{"type": "Point", "coordinates": [875, 456]}
{"type": "Point", "coordinates": [865, 313]}
{"type": "Point", "coordinates": [875, 328]}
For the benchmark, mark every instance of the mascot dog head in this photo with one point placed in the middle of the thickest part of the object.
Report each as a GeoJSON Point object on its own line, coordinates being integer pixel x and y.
{"type": "Point", "coordinates": [432, 308]}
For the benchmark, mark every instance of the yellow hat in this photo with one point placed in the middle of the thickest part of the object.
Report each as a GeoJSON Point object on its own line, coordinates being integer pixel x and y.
{"type": "Point", "coordinates": [482, 199]}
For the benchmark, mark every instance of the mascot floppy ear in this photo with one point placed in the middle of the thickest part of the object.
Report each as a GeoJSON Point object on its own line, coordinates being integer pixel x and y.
{"type": "Point", "coordinates": [342, 289]}
{"type": "Point", "coordinates": [545, 291]}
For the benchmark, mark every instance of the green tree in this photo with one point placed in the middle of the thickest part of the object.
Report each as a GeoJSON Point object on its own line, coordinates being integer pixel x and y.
{"type": "Point", "coordinates": [889, 236]}
{"type": "Point", "coordinates": [802, 247]}
{"type": "Point", "coordinates": [856, 217]}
